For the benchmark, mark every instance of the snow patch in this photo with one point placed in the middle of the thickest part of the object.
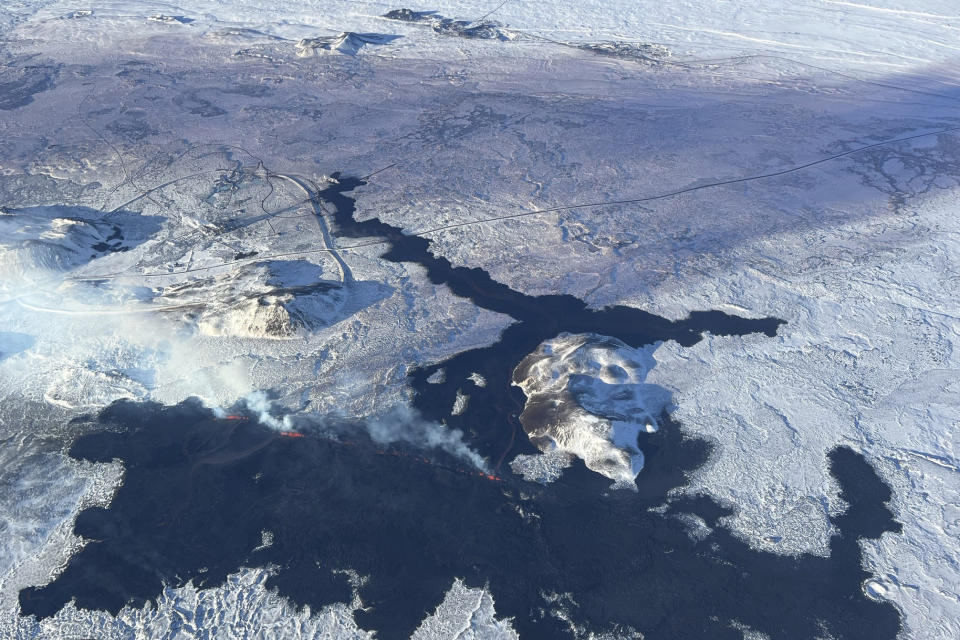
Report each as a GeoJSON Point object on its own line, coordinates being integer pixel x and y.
{"type": "Point", "coordinates": [544, 467]}
{"type": "Point", "coordinates": [477, 379]}
{"type": "Point", "coordinates": [465, 614]}
{"type": "Point", "coordinates": [459, 403]}
{"type": "Point", "coordinates": [347, 43]}
{"type": "Point", "coordinates": [240, 608]}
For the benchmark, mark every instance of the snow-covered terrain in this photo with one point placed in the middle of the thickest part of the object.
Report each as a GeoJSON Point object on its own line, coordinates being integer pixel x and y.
{"type": "Point", "coordinates": [791, 159]}
{"type": "Point", "coordinates": [244, 608]}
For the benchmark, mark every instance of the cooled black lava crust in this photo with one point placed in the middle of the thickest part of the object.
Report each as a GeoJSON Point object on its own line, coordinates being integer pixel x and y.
{"type": "Point", "coordinates": [199, 491]}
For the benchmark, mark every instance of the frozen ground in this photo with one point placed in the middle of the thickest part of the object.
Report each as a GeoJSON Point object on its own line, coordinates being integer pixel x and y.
{"type": "Point", "coordinates": [797, 160]}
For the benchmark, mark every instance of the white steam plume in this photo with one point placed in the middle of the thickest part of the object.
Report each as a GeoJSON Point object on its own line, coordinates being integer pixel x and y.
{"type": "Point", "coordinates": [258, 403]}
{"type": "Point", "coordinates": [405, 424]}
{"type": "Point", "coordinates": [399, 424]}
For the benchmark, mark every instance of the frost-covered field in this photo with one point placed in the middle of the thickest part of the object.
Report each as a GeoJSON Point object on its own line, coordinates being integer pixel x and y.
{"type": "Point", "coordinates": [799, 160]}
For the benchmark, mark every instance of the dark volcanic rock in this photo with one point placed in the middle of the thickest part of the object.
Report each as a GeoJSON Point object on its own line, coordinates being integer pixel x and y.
{"type": "Point", "coordinates": [198, 492]}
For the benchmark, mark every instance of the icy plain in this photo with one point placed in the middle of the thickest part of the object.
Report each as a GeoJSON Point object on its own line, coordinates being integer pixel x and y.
{"type": "Point", "coordinates": [797, 160]}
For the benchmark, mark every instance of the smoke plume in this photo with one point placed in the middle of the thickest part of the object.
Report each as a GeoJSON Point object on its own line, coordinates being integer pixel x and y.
{"type": "Point", "coordinates": [399, 424]}
{"type": "Point", "coordinates": [405, 424]}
